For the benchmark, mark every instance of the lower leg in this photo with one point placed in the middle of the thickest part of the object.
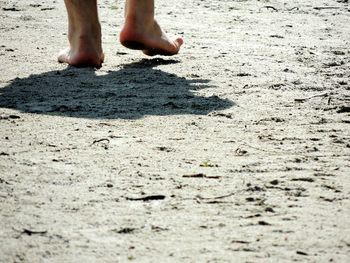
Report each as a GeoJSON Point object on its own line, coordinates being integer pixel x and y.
{"type": "Point", "coordinates": [84, 34]}
{"type": "Point", "coordinates": [141, 30]}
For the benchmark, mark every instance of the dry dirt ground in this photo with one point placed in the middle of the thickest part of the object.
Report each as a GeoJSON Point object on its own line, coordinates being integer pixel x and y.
{"type": "Point", "coordinates": [235, 150]}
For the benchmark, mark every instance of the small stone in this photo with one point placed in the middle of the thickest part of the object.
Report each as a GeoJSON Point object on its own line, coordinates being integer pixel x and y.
{"type": "Point", "coordinates": [274, 182]}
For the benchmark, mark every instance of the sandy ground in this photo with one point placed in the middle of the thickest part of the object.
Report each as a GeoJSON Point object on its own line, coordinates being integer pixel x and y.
{"type": "Point", "coordinates": [235, 150]}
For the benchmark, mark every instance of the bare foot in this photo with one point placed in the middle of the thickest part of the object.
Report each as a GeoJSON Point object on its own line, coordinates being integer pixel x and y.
{"type": "Point", "coordinates": [151, 39]}
{"type": "Point", "coordinates": [82, 53]}
{"type": "Point", "coordinates": [84, 35]}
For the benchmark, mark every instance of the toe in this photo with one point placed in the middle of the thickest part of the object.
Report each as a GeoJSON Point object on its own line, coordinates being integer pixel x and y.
{"type": "Point", "coordinates": [169, 48]}
{"type": "Point", "coordinates": [179, 42]}
{"type": "Point", "coordinates": [63, 56]}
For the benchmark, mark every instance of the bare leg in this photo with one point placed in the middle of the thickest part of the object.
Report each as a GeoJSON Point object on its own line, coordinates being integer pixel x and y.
{"type": "Point", "coordinates": [141, 31]}
{"type": "Point", "coordinates": [84, 35]}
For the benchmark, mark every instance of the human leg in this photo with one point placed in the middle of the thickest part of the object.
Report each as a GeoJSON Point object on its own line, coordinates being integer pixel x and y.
{"type": "Point", "coordinates": [141, 31]}
{"type": "Point", "coordinates": [84, 34]}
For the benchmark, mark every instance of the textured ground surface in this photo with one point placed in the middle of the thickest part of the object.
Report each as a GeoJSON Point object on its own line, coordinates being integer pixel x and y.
{"type": "Point", "coordinates": [235, 150]}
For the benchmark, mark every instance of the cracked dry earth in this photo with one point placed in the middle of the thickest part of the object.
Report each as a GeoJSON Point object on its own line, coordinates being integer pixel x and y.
{"type": "Point", "coordinates": [235, 150]}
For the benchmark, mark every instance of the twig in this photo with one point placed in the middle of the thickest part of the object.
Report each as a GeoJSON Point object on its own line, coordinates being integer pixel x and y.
{"type": "Point", "coordinates": [215, 197]}
{"type": "Point", "coordinates": [293, 8]}
{"type": "Point", "coordinates": [146, 198]}
{"type": "Point", "coordinates": [270, 7]}
{"type": "Point", "coordinates": [106, 124]}
{"type": "Point", "coordinates": [100, 140]}
{"type": "Point", "coordinates": [311, 97]}
{"type": "Point", "coordinates": [325, 7]}
{"type": "Point", "coordinates": [201, 175]}
{"type": "Point", "coordinates": [122, 170]}
{"type": "Point", "coordinates": [30, 232]}
{"type": "Point", "coordinates": [259, 149]}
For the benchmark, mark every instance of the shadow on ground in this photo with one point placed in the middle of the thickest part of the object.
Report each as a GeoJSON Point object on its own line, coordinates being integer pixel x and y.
{"type": "Point", "coordinates": [135, 90]}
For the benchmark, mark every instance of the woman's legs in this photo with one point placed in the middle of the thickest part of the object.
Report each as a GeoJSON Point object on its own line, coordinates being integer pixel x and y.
{"type": "Point", "coordinates": [84, 34]}
{"type": "Point", "coordinates": [140, 31]}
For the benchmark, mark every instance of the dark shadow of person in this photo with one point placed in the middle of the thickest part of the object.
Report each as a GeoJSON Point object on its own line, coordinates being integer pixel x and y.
{"type": "Point", "coordinates": [135, 90]}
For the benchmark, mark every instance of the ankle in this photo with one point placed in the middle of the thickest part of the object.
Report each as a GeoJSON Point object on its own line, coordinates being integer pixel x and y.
{"type": "Point", "coordinates": [86, 44]}
{"type": "Point", "coordinates": [139, 20]}
{"type": "Point", "coordinates": [139, 13]}
{"type": "Point", "coordinates": [90, 36]}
